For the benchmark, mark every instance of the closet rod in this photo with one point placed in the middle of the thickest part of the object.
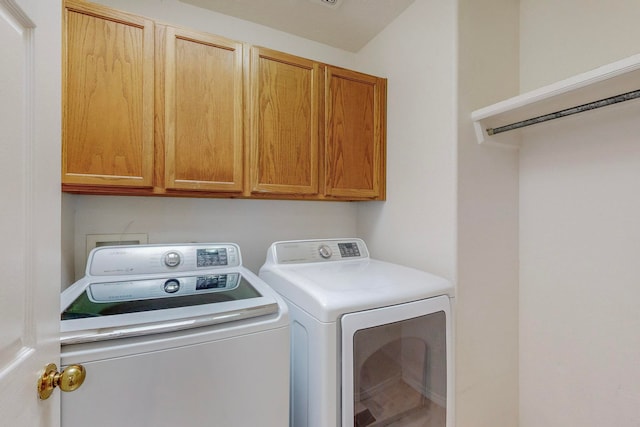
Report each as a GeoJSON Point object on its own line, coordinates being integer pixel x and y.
{"type": "Point", "coordinates": [569, 111]}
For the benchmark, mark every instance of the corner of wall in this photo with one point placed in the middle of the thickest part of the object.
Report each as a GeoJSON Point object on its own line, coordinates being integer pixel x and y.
{"type": "Point", "coordinates": [487, 222]}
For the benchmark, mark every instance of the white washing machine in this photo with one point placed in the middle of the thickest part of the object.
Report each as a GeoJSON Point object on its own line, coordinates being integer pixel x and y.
{"type": "Point", "coordinates": [371, 341]}
{"type": "Point", "coordinates": [175, 335]}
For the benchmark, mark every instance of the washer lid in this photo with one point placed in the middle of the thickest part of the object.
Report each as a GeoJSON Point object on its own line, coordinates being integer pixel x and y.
{"type": "Point", "coordinates": [96, 309]}
{"type": "Point", "coordinates": [329, 290]}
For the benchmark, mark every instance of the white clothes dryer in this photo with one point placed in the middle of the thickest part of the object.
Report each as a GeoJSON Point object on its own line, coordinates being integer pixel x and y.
{"type": "Point", "coordinates": [175, 335]}
{"type": "Point", "coordinates": [371, 341]}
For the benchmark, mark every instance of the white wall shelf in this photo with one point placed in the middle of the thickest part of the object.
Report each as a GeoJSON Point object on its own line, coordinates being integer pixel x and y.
{"type": "Point", "coordinates": [609, 80]}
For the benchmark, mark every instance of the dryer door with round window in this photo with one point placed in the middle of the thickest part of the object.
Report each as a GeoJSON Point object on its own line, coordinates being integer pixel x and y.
{"type": "Point", "coordinates": [396, 368]}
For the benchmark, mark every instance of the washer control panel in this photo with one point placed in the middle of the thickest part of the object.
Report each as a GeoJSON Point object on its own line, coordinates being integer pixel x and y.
{"type": "Point", "coordinates": [212, 257]}
{"type": "Point", "coordinates": [132, 290]}
{"type": "Point", "coordinates": [156, 259]}
{"type": "Point", "coordinates": [302, 251]}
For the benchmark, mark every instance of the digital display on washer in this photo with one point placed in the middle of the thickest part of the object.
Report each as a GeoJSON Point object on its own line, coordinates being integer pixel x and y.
{"type": "Point", "coordinates": [211, 257]}
{"type": "Point", "coordinates": [216, 281]}
{"type": "Point", "coordinates": [348, 250]}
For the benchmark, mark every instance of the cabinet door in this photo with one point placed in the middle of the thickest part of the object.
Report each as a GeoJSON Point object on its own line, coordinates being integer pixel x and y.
{"type": "Point", "coordinates": [355, 135]}
{"type": "Point", "coordinates": [284, 123]}
{"type": "Point", "coordinates": [203, 112]}
{"type": "Point", "coordinates": [108, 87]}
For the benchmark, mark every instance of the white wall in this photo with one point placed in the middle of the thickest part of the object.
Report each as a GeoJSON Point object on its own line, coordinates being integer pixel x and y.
{"type": "Point", "coordinates": [580, 321]}
{"type": "Point", "coordinates": [579, 233]}
{"type": "Point", "coordinates": [432, 86]}
{"type": "Point", "coordinates": [177, 13]}
{"type": "Point", "coordinates": [252, 224]}
{"type": "Point", "coordinates": [416, 225]}
{"type": "Point", "coordinates": [562, 38]}
{"type": "Point", "coordinates": [487, 300]}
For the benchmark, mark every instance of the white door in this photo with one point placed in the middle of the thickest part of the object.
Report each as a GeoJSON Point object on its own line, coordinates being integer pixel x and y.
{"type": "Point", "coordinates": [30, 34]}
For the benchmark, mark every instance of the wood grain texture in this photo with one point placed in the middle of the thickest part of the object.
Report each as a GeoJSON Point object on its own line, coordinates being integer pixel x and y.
{"type": "Point", "coordinates": [159, 113]}
{"type": "Point", "coordinates": [108, 97]}
{"type": "Point", "coordinates": [160, 110]}
{"type": "Point", "coordinates": [203, 112]}
{"type": "Point", "coordinates": [354, 134]}
{"type": "Point", "coordinates": [285, 123]}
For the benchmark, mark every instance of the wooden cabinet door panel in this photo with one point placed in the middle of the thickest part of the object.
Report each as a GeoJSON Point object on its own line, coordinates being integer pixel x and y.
{"type": "Point", "coordinates": [354, 144]}
{"type": "Point", "coordinates": [108, 97]}
{"type": "Point", "coordinates": [203, 112]}
{"type": "Point", "coordinates": [285, 116]}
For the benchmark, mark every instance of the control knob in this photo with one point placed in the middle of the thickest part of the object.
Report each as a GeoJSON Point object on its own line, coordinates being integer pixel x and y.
{"type": "Point", "coordinates": [171, 286]}
{"type": "Point", "coordinates": [325, 251]}
{"type": "Point", "coordinates": [172, 259]}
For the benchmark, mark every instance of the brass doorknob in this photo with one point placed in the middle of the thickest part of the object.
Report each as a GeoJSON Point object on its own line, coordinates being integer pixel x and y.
{"type": "Point", "coordinates": [69, 379]}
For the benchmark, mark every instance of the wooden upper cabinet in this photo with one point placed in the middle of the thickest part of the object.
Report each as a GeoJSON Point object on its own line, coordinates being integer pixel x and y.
{"type": "Point", "coordinates": [156, 109]}
{"type": "Point", "coordinates": [285, 114]}
{"type": "Point", "coordinates": [108, 93]}
{"type": "Point", "coordinates": [354, 135]}
{"type": "Point", "coordinates": [203, 102]}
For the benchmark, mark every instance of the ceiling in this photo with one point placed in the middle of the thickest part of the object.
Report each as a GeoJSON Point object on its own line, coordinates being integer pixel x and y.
{"type": "Point", "coordinates": [348, 25]}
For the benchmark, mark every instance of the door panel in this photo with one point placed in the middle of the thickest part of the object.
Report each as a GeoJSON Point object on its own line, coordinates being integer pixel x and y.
{"type": "Point", "coordinates": [203, 112]}
{"type": "Point", "coordinates": [30, 214]}
{"type": "Point", "coordinates": [354, 145]}
{"type": "Point", "coordinates": [108, 89]}
{"type": "Point", "coordinates": [285, 119]}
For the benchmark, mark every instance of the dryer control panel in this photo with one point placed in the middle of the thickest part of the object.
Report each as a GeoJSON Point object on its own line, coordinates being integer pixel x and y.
{"type": "Point", "coordinates": [322, 250]}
